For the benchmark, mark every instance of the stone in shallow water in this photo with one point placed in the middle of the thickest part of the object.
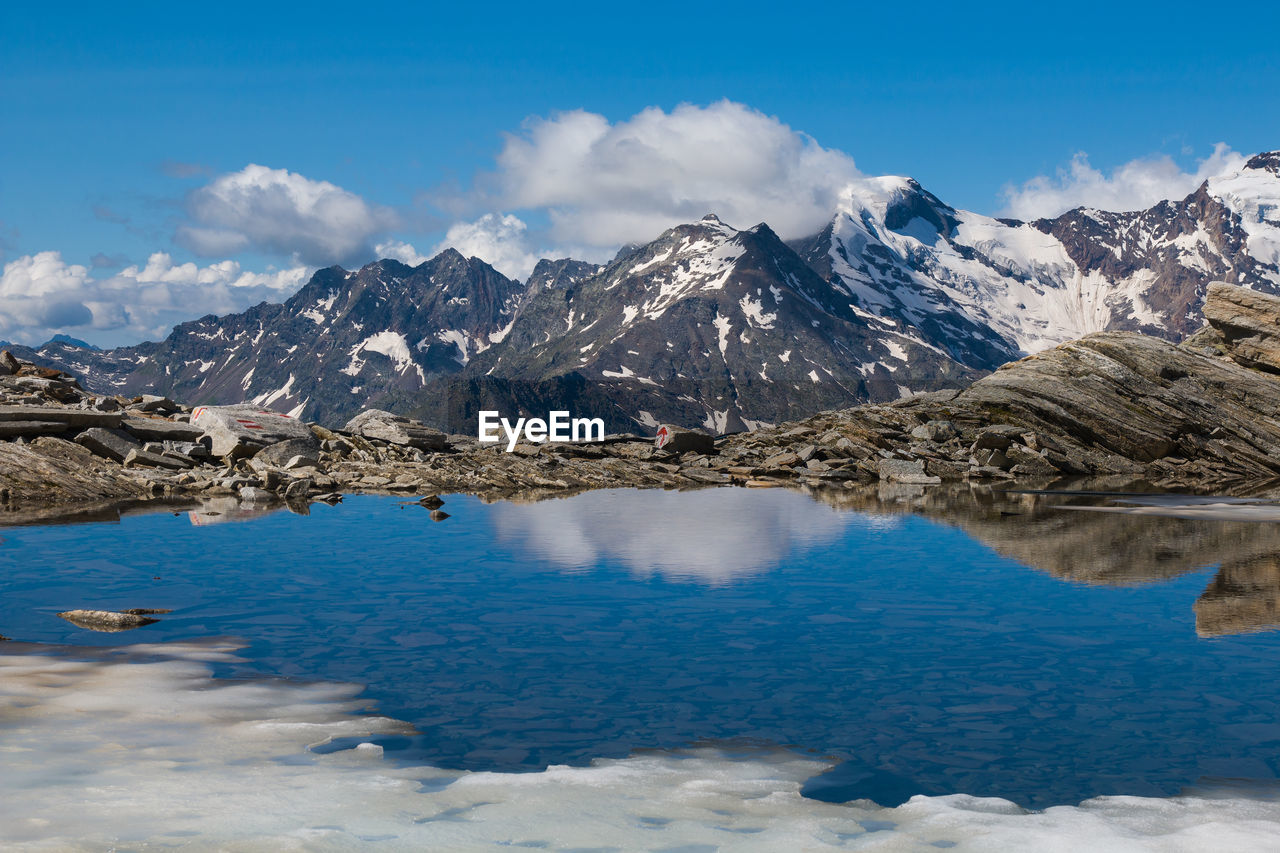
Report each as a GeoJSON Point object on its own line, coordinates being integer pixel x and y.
{"type": "Point", "coordinates": [253, 494]}
{"type": "Point", "coordinates": [110, 620]}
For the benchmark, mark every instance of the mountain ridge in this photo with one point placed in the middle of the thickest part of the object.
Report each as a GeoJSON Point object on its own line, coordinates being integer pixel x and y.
{"type": "Point", "coordinates": [706, 324]}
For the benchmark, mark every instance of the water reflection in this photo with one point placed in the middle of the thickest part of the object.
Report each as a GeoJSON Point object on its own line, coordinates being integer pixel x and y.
{"type": "Point", "coordinates": [711, 535]}
{"type": "Point", "coordinates": [1132, 540]}
{"type": "Point", "coordinates": [224, 510]}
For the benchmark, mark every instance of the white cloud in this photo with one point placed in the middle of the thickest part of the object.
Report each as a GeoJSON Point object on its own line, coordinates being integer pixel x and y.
{"type": "Point", "coordinates": [502, 241]}
{"type": "Point", "coordinates": [42, 294]}
{"type": "Point", "coordinates": [607, 184]}
{"type": "Point", "coordinates": [1136, 185]}
{"type": "Point", "coordinates": [400, 251]}
{"type": "Point", "coordinates": [281, 212]}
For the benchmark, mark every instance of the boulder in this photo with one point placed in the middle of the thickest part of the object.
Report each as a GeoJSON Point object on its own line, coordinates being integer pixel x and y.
{"type": "Point", "coordinates": [307, 460]}
{"type": "Point", "coordinates": [9, 365]}
{"type": "Point", "coordinates": [909, 471]}
{"type": "Point", "coordinates": [154, 403]}
{"type": "Point", "coordinates": [109, 444]}
{"type": "Point", "coordinates": [782, 460]}
{"type": "Point", "coordinates": [1249, 323]}
{"type": "Point", "coordinates": [253, 494]}
{"type": "Point", "coordinates": [397, 429]}
{"type": "Point", "coordinates": [298, 489]}
{"type": "Point", "coordinates": [935, 431]}
{"type": "Point", "coordinates": [141, 458]}
{"type": "Point", "coordinates": [998, 437]}
{"type": "Point", "coordinates": [239, 432]}
{"type": "Point", "coordinates": [674, 439]}
{"type": "Point", "coordinates": [278, 455]}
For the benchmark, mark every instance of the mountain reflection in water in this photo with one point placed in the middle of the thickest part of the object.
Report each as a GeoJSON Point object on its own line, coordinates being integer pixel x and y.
{"type": "Point", "coordinates": [720, 535]}
{"type": "Point", "coordinates": [1142, 539]}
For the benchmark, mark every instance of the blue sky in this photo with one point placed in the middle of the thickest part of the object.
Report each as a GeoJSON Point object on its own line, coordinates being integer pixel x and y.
{"type": "Point", "coordinates": [119, 121]}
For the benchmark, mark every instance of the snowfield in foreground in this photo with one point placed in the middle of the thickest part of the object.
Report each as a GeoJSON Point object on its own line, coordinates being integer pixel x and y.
{"type": "Point", "coordinates": [140, 746]}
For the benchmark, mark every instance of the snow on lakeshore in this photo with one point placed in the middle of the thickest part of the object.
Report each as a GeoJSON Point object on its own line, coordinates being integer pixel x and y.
{"type": "Point", "coordinates": [141, 747]}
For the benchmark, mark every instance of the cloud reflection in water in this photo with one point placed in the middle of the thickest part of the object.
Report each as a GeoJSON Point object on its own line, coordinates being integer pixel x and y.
{"type": "Point", "coordinates": [710, 536]}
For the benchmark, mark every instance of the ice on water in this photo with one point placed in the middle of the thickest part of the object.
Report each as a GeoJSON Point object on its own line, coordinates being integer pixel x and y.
{"type": "Point", "coordinates": [141, 747]}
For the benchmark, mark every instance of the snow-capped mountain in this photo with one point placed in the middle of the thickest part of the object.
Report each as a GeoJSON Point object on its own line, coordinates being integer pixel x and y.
{"type": "Point", "coordinates": [982, 287]}
{"type": "Point", "coordinates": [714, 326]}
{"type": "Point", "coordinates": [347, 340]}
{"type": "Point", "coordinates": [719, 327]}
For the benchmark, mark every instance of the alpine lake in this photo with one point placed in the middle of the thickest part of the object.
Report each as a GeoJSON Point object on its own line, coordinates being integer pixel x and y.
{"type": "Point", "coordinates": [885, 668]}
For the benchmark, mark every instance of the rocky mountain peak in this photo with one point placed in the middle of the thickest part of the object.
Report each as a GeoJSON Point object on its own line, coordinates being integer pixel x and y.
{"type": "Point", "coordinates": [1268, 161]}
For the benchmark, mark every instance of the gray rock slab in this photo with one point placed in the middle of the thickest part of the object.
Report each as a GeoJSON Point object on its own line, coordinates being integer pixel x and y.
{"type": "Point", "coordinates": [58, 414]}
{"type": "Point", "coordinates": [155, 429]}
{"type": "Point", "coordinates": [140, 458]}
{"type": "Point", "coordinates": [109, 444]}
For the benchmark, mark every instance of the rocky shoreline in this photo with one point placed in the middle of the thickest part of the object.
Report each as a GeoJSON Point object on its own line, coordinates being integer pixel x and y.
{"type": "Point", "coordinates": [1203, 415]}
